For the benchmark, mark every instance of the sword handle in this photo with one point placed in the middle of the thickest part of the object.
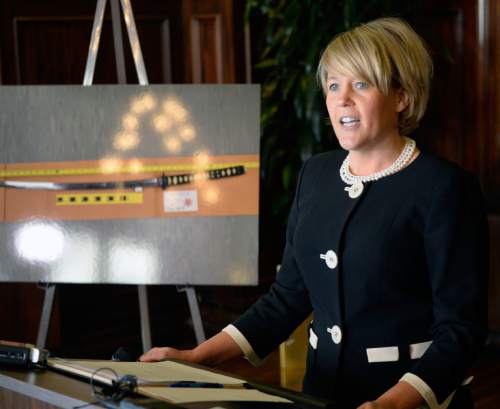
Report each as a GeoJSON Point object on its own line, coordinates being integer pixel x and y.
{"type": "Point", "coordinates": [226, 172]}
{"type": "Point", "coordinates": [213, 174]}
{"type": "Point", "coordinates": [173, 180]}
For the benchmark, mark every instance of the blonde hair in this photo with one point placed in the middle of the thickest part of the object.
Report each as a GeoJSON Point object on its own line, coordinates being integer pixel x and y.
{"type": "Point", "coordinates": [386, 53]}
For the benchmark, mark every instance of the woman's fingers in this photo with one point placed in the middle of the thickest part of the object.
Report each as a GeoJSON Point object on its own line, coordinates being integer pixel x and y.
{"type": "Point", "coordinates": [159, 354]}
{"type": "Point", "coordinates": [162, 353]}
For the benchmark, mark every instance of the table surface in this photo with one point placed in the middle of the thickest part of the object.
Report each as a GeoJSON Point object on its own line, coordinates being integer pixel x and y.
{"type": "Point", "coordinates": [62, 390]}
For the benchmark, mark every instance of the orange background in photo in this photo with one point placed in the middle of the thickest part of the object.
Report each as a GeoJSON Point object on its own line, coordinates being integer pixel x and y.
{"type": "Point", "coordinates": [232, 196]}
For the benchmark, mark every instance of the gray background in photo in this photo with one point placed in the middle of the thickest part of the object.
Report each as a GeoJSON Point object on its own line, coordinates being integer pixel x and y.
{"type": "Point", "coordinates": [73, 123]}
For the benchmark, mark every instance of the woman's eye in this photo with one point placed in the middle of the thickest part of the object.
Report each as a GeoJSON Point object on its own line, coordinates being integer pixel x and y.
{"type": "Point", "coordinates": [333, 86]}
{"type": "Point", "coordinates": [361, 85]}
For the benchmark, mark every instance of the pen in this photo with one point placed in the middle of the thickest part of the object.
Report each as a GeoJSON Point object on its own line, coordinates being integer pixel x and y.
{"type": "Point", "coordinates": [192, 384]}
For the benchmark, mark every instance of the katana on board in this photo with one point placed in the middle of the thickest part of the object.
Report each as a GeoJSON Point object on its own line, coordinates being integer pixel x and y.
{"type": "Point", "coordinates": [163, 181]}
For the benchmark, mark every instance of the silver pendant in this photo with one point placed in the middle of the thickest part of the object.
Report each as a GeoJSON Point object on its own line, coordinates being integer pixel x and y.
{"type": "Point", "coordinates": [355, 190]}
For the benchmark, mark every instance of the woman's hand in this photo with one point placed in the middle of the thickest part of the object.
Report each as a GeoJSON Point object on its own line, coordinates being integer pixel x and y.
{"type": "Point", "coordinates": [400, 396]}
{"type": "Point", "coordinates": [218, 349]}
{"type": "Point", "coordinates": [376, 405]}
{"type": "Point", "coordinates": [162, 353]}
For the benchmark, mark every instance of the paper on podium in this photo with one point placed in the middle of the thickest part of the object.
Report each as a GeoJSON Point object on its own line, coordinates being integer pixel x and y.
{"type": "Point", "coordinates": [167, 371]}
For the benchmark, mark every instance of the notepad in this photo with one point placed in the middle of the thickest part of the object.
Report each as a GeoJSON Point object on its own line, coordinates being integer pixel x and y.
{"type": "Point", "coordinates": [166, 371]}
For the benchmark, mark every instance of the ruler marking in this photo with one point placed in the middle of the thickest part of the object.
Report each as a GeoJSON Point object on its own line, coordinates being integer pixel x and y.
{"type": "Point", "coordinates": [105, 198]}
{"type": "Point", "coordinates": [123, 170]}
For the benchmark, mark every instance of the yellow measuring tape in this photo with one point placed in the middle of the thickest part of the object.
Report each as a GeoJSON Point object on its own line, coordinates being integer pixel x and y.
{"type": "Point", "coordinates": [187, 167]}
{"type": "Point", "coordinates": [104, 198]}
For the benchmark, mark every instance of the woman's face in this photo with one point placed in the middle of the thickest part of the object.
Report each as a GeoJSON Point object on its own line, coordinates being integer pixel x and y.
{"type": "Point", "coordinates": [361, 115]}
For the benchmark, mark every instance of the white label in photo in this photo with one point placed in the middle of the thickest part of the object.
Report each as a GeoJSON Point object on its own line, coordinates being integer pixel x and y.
{"type": "Point", "coordinates": [180, 201]}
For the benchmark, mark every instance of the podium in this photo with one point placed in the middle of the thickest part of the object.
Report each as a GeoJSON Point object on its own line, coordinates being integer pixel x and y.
{"type": "Point", "coordinates": [36, 389]}
{"type": "Point", "coordinates": [47, 389]}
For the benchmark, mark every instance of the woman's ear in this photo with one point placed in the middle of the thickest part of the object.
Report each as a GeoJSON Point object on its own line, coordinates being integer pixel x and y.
{"type": "Point", "coordinates": [402, 100]}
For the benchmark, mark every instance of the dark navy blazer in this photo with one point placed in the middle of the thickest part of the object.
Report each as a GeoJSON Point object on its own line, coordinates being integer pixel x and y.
{"type": "Point", "coordinates": [412, 267]}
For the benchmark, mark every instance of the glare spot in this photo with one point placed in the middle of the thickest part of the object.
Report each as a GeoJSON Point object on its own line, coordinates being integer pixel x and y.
{"type": "Point", "coordinates": [149, 102]}
{"type": "Point", "coordinates": [237, 277]}
{"type": "Point", "coordinates": [187, 133]}
{"type": "Point", "coordinates": [39, 242]}
{"type": "Point", "coordinates": [201, 159]}
{"type": "Point", "coordinates": [162, 123]}
{"type": "Point", "coordinates": [130, 122]}
{"type": "Point", "coordinates": [211, 195]}
{"type": "Point", "coordinates": [79, 262]}
{"type": "Point", "coordinates": [135, 166]}
{"type": "Point", "coordinates": [175, 109]}
{"type": "Point", "coordinates": [172, 144]}
{"type": "Point", "coordinates": [132, 263]}
{"type": "Point", "coordinates": [143, 104]}
{"type": "Point", "coordinates": [110, 165]}
{"type": "Point", "coordinates": [125, 141]}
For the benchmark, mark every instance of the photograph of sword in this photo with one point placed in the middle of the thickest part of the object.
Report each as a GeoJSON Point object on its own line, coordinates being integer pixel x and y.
{"type": "Point", "coordinates": [163, 181]}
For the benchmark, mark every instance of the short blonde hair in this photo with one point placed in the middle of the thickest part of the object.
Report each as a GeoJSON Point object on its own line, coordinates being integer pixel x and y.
{"type": "Point", "coordinates": [386, 53]}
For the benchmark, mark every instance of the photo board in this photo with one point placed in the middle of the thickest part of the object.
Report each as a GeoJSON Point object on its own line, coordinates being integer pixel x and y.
{"type": "Point", "coordinates": [130, 184]}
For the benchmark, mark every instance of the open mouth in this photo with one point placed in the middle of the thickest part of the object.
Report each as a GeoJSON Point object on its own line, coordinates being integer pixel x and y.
{"type": "Point", "coordinates": [349, 121]}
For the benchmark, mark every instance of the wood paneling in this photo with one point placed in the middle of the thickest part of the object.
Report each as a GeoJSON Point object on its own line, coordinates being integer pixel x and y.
{"type": "Point", "coordinates": [448, 28]}
{"type": "Point", "coordinates": [21, 306]}
{"type": "Point", "coordinates": [441, 131]}
{"type": "Point", "coordinates": [206, 49]}
{"type": "Point", "coordinates": [491, 105]}
{"type": "Point", "coordinates": [216, 37]}
{"type": "Point", "coordinates": [49, 44]}
{"type": "Point", "coordinates": [488, 102]}
{"type": "Point", "coordinates": [54, 51]}
{"type": "Point", "coordinates": [462, 122]}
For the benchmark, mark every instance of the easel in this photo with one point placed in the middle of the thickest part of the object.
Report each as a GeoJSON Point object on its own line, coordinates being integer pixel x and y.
{"type": "Point", "coordinates": [143, 80]}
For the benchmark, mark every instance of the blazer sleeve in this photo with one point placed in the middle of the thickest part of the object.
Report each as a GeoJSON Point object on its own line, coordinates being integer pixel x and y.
{"type": "Point", "coordinates": [457, 251]}
{"type": "Point", "coordinates": [274, 316]}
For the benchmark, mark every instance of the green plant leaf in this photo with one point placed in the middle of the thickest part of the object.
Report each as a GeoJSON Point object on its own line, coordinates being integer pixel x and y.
{"type": "Point", "coordinates": [266, 63]}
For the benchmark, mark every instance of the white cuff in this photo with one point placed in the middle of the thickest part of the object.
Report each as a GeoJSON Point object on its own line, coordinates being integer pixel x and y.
{"type": "Point", "coordinates": [243, 343]}
{"type": "Point", "coordinates": [426, 392]}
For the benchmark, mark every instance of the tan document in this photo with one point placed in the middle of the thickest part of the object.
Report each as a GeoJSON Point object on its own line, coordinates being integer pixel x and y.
{"type": "Point", "coordinates": [167, 371]}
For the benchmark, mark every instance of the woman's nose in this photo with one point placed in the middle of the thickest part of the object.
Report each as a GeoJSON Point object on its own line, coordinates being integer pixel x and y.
{"type": "Point", "coordinates": [344, 97]}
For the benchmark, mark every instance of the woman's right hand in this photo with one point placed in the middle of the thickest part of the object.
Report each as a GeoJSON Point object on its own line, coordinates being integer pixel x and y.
{"type": "Point", "coordinates": [216, 350]}
{"type": "Point", "coordinates": [163, 353]}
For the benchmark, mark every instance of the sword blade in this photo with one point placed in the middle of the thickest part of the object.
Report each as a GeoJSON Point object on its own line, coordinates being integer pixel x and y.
{"type": "Point", "coordinates": [39, 185]}
{"type": "Point", "coordinates": [163, 181]}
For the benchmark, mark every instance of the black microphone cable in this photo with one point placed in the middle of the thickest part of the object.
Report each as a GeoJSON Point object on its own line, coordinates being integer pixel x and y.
{"type": "Point", "coordinates": [109, 395]}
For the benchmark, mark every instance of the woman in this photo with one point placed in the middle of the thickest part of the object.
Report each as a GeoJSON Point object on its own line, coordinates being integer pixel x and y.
{"type": "Point", "coordinates": [386, 245]}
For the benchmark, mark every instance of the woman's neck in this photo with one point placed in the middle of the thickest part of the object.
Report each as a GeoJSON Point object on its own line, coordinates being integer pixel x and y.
{"type": "Point", "coordinates": [366, 162]}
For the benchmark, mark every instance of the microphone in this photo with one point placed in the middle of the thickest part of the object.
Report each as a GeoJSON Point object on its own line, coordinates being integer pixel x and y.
{"type": "Point", "coordinates": [126, 354]}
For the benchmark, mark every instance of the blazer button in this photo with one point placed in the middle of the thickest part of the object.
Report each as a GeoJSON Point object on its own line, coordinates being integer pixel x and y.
{"type": "Point", "coordinates": [336, 334]}
{"type": "Point", "coordinates": [330, 258]}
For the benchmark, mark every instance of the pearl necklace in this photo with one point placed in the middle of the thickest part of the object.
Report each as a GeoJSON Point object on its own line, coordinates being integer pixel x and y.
{"type": "Point", "coordinates": [356, 182]}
